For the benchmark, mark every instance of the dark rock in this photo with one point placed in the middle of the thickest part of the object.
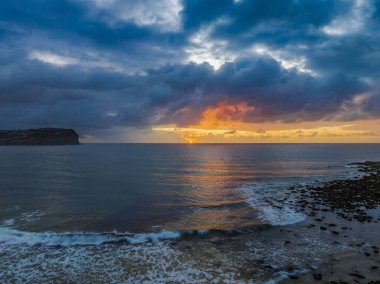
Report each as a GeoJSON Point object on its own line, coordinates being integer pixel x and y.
{"type": "Point", "coordinates": [289, 268]}
{"type": "Point", "coordinates": [317, 276]}
{"type": "Point", "coordinates": [349, 199]}
{"type": "Point", "coordinates": [218, 241]}
{"type": "Point", "coordinates": [39, 136]}
{"type": "Point", "coordinates": [357, 275]}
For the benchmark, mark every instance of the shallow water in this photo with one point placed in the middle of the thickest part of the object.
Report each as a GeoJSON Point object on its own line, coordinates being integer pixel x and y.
{"type": "Point", "coordinates": [133, 200]}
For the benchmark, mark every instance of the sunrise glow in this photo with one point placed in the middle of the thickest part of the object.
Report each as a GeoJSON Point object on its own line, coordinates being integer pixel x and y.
{"type": "Point", "coordinates": [225, 123]}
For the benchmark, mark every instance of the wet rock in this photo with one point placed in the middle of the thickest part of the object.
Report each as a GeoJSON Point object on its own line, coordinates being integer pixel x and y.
{"type": "Point", "coordinates": [349, 199]}
{"type": "Point", "coordinates": [357, 275]}
{"type": "Point", "coordinates": [317, 276]}
{"type": "Point", "coordinates": [217, 241]}
{"type": "Point", "coordinates": [289, 268]}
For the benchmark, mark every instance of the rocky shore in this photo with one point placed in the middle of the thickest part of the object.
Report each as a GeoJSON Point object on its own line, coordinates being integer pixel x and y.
{"type": "Point", "coordinates": [346, 213]}
{"type": "Point", "coordinates": [349, 199]}
{"type": "Point", "coordinates": [39, 136]}
{"type": "Point", "coordinates": [337, 243]}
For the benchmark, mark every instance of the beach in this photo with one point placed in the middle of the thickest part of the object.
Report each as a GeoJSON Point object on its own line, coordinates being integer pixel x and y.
{"type": "Point", "coordinates": [348, 212]}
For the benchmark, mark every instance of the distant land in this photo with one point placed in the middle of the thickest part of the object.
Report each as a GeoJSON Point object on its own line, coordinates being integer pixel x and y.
{"type": "Point", "coordinates": [39, 136]}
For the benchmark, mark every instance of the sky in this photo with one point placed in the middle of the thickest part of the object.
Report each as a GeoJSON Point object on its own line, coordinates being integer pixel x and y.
{"type": "Point", "coordinates": [193, 71]}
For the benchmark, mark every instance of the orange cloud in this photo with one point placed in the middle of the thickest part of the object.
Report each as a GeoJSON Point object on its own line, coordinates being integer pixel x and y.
{"type": "Point", "coordinates": [225, 124]}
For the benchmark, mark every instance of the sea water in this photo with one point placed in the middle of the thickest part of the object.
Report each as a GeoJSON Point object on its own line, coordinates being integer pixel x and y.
{"type": "Point", "coordinates": [111, 211]}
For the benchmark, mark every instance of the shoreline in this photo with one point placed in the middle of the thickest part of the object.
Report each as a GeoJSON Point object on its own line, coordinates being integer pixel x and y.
{"type": "Point", "coordinates": [338, 242]}
{"type": "Point", "coordinates": [347, 212]}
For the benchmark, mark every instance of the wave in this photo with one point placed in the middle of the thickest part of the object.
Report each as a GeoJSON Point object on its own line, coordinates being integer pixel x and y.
{"type": "Point", "coordinates": [13, 236]}
{"type": "Point", "coordinates": [283, 275]}
{"type": "Point", "coordinates": [273, 203]}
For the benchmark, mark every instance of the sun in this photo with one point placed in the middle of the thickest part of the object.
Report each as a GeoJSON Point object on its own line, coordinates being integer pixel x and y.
{"type": "Point", "coordinates": [189, 138]}
{"type": "Point", "coordinates": [189, 141]}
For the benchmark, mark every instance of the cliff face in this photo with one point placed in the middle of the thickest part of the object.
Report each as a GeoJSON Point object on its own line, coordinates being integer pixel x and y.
{"type": "Point", "coordinates": [39, 136]}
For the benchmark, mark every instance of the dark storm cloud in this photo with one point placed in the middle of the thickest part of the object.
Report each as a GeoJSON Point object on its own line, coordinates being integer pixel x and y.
{"type": "Point", "coordinates": [376, 14]}
{"type": "Point", "coordinates": [78, 64]}
{"type": "Point", "coordinates": [197, 13]}
{"type": "Point", "coordinates": [244, 15]}
{"type": "Point", "coordinates": [69, 26]}
{"type": "Point", "coordinates": [279, 23]}
{"type": "Point", "coordinates": [172, 94]}
{"type": "Point", "coordinates": [70, 18]}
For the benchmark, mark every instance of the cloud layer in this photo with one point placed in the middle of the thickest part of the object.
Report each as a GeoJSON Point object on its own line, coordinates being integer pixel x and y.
{"type": "Point", "coordinates": [100, 64]}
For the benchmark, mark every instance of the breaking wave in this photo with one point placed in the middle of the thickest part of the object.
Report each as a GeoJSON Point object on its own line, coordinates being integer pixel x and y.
{"type": "Point", "coordinates": [273, 203]}
{"type": "Point", "coordinates": [13, 236]}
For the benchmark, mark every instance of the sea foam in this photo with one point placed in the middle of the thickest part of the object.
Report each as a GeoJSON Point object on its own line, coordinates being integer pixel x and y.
{"type": "Point", "coordinates": [13, 236]}
{"type": "Point", "coordinates": [272, 203]}
{"type": "Point", "coordinates": [277, 205]}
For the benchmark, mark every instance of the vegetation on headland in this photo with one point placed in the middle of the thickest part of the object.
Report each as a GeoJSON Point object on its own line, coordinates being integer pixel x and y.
{"type": "Point", "coordinates": [39, 136]}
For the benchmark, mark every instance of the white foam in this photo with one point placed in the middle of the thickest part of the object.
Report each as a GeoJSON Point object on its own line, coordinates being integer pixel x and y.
{"type": "Point", "coordinates": [265, 198]}
{"type": "Point", "coordinates": [145, 263]}
{"type": "Point", "coordinates": [31, 217]}
{"type": "Point", "coordinates": [281, 217]}
{"type": "Point", "coordinates": [14, 208]}
{"type": "Point", "coordinates": [154, 237]}
{"type": "Point", "coordinates": [352, 166]}
{"type": "Point", "coordinates": [13, 236]}
{"type": "Point", "coordinates": [22, 219]}
{"type": "Point", "coordinates": [282, 275]}
{"type": "Point", "coordinates": [9, 222]}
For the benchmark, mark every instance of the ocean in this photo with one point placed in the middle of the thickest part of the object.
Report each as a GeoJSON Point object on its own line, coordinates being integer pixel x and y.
{"type": "Point", "coordinates": [126, 213]}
